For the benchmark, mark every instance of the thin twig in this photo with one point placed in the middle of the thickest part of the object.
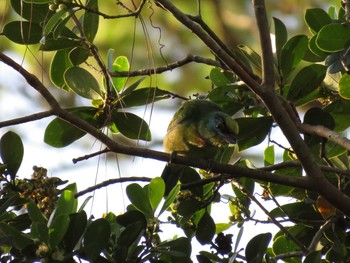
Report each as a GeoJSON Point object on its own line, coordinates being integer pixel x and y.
{"type": "Point", "coordinates": [112, 181]}
{"type": "Point", "coordinates": [168, 67]}
{"type": "Point", "coordinates": [25, 119]}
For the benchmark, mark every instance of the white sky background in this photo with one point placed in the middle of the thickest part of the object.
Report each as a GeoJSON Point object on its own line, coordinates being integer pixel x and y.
{"type": "Point", "coordinates": [59, 161]}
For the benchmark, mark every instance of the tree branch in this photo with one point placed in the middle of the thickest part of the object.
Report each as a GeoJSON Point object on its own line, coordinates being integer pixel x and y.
{"type": "Point", "coordinates": [25, 119]}
{"type": "Point", "coordinates": [262, 22]}
{"type": "Point", "coordinates": [169, 67]}
{"type": "Point", "coordinates": [276, 107]}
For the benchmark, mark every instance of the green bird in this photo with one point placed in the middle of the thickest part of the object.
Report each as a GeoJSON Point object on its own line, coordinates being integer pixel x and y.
{"type": "Point", "coordinates": [199, 129]}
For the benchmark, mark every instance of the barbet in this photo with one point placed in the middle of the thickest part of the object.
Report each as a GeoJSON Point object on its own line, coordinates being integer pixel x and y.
{"type": "Point", "coordinates": [199, 129]}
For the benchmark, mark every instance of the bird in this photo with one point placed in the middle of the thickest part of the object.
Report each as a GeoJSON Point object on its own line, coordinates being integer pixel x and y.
{"type": "Point", "coordinates": [199, 129]}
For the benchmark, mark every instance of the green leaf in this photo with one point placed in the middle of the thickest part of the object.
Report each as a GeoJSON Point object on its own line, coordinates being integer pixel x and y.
{"type": "Point", "coordinates": [252, 131]}
{"type": "Point", "coordinates": [299, 210]}
{"type": "Point", "coordinates": [78, 55]}
{"type": "Point", "coordinates": [30, 11]}
{"type": "Point", "coordinates": [11, 152]}
{"type": "Point", "coordinates": [205, 229]}
{"type": "Point", "coordinates": [131, 233]}
{"type": "Point", "coordinates": [141, 97]}
{"type": "Point", "coordinates": [188, 207]}
{"type": "Point", "coordinates": [156, 189]}
{"type": "Point", "coordinates": [253, 57]}
{"type": "Point", "coordinates": [177, 248]}
{"type": "Point", "coordinates": [91, 20]}
{"type": "Point", "coordinates": [306, 81]}
{"type": "Point", "coordinates": [12, 237]}
{"type": "Point", "coordinates": [82, 82]}
{"type": "Point", "coordinates": [228, 98]}
{"type": "Point", "coordinates": [38, 1]}
{"type": "Point", "coordinates": [96, 238]}
{"type": "Point", "coordinates": [281, 37]}
{"type": "Point", "coordinates": [282, 244]}
{"type": "Point", "coordinates": [340, 111]}
{"type": "Point", "coordinates": [120, 64]}
{"type": "Point", "coordinates": [139, 198]}
{"type": "Point", "coordinates": [316, 18]}
{"type": "Point", "coordinates": [60, 133]}
{"type": "Point", "coordinates": [344, 87]}
{"type": "Point", "coordinates": [23, 32]}
{"type": "Point", "coordinates": [66, 204]}
{"type": "Point", "coordinates": [35, 214]}
{"type": "Point", "coordinates": [53, 21]}
{"type": "Point", "coordinates": [269, 155]}
{"type": "Point", "coordinates": [292, 53]}
{"type": "Point", "coordinates": [77, 226]}
{"type": "Point", "coordinates": [40, 231]}
{"type": "Point", "coordinates": [59, 64]}
{"type": "Point", "coordinates": [315, 49]}
{"type": "Point", "coordinates": [333, 37]}
{"type": "Point", "coordinates": [313, 257]}
{"type": "Point", "coordinates": [131, 126]}
{"type": "Point", "coordinates": [58, 229]}
{"type": "Point", "coordinates": [220, 77]}
{"type": "Point", "coordinates": [256, 247]}
{"type": "Point", "coordinates": [170, 198]}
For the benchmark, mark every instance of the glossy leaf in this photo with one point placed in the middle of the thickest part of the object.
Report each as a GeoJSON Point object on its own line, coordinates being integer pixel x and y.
{"type": "Point", "coordinates": [76, 228]}
{"type": "Point", "coordinates": [220, 78]}
{"type": "Point", "coordinates": [170, 198]}
{"type": "Point", "coordinates": [139, 198]}
{"type": "Point", "coordinates": [178, 249]}
{"type": "Point", "coordinates": [333, 37]}
{"type": "Point", "coordinates": [307, 80]}
{"type": "Point", "coordinates": [78, 55]}
{"type": "Point", "coordinates": [253, 57]}
{"type": "Point", "coordinates": [12, 237]}
{"type": "Point", "coordinates": [35, 214]}
{"type": "Point", "coordinates": [30, 11]}
{"type": "Point", "coordinates": [205, 229]}
{"type": "Point", "coordinates": [269, 155]}
{"type": "Point", "coordinates": [344, 86]}
{"type": "Point", "coordinates": [131, 126]}
{"type": "Point", "coordinates": [131, 233]}
{"type": "Point", "coordinates": [82, 82]}
{"type": "Point", "coordinates": [292, 53]}
{"type": "Point", "coordinates": [316, 18]}
{"type": "Point", "coordinates": [91, 20]}
{"type": "Point", "coordinates": [281, 37]}
{"type": "Point", "coordinates": [156, 189]}
{"type": "Point", "coordinates": [53, 21]}
{"type": "Point", "coordinates": [340, 111]}
{"type": "Point", "coordinates": [60, 133]}
{"type": "Point", "coordinates": [256, 247]}
{"type": "Point", "coordinates": [66, 204]}
{"type": "Point", "coordinates": [252, 131]}
{"type": "Point", "coordinates": [59, 64]}
{"type": "Point", "coordinates": [96, 238]}
{"type": "Point", "coordinates": [282, 244]}
{"type": "Point", "coordinates": [11, 152]}
{"type": "Point", "coordinates": [142, 96]}
{"type": "Point", "coordinates": [120, 64]}
{"type": "Point", "coordinates": [23, 32]}
{"type": "Point", "coordinates": [58, 229]}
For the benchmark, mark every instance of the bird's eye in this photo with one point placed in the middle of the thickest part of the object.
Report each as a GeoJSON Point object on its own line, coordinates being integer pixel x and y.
{"type": "Point", "coordinates": [219, 124]}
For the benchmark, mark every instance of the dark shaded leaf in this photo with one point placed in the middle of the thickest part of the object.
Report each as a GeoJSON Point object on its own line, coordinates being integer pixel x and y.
{"type": "Point", "coordinates": [139, 198]}
{"type": "Point", "coordinates": [60, 133]}
{"type": "Point", "coordinates": [256, 247]}
{"type": "Point", "coordinates": [11, 152]}
{"type": "Point", "coordinates": [91, 20]}
{"type": "Point", "coordinates": [292, 53]}
{"type": "Point", "coordinates": [205, 229]}
{"type": "Point", "coordinates": [281, 37]}
{"type": "Point", "coordinates": [316, 18]}
{"type": "Point", "coordinates": [83, 83]}
{"type": "Point", "coordinates": [333, 37]}
{"type": "Point", "coordinates": [30, 11]}
{"type": "Point", "coordinates": [131, 126]}
{"type": "Point", "coordinates": [252, 131]}
{"type": "Point", "coordinates": [96, 238]}
{"type": "Point", "coordinates": [23, 32]}
{"type": "Point", "coordinates": [59, 64]}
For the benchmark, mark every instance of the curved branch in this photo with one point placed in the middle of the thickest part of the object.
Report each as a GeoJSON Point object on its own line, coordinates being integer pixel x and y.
{"type": "Point", "coordinates": [169, 67]}
{"type": "Point", "coordinates": [25, 119]}
{"type": "Point", "coordinates": [112, 181]}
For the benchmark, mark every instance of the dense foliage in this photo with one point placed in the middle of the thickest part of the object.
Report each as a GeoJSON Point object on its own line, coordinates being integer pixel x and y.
{"type": "Point", "coordinates": [301, 89]}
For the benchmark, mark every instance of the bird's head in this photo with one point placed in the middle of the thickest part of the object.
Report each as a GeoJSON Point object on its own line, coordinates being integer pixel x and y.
{"type": "Point", "coordinates": [219, 129]}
